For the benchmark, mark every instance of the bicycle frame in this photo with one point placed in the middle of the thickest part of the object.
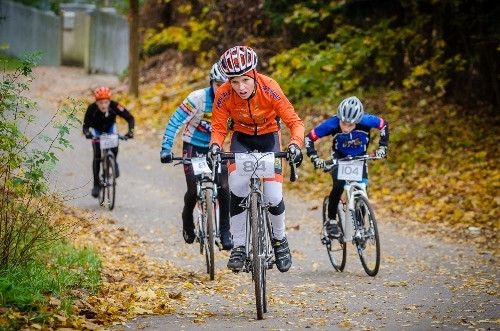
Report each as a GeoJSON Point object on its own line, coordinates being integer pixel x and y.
{"type": "Point", "coordinates": [258, 245]}
{"type": "Point", "coordinates": [356, 217]}
{"type": "Point", "coordinates": [255, 188]}
{"type": "Point", "coordinates": [107, 142]}
{"type": "Point", "coordinates": [204, 182]}
{"type": "Point", "coordinates": [207, 227]}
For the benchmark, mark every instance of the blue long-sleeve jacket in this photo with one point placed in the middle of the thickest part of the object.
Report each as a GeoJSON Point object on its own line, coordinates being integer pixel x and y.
{"type": "Point", "coordinates": [354, 143]}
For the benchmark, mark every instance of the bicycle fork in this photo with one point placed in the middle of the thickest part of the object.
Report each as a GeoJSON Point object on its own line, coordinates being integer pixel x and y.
{"type": "Point", "coordinates": [348, 218]}
{"type": "Point", "coordinates": [267, 254]}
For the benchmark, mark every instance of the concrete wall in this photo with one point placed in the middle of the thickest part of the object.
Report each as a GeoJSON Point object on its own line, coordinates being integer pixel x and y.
{"type": "Point", "coordinates": [27, 29]}
{"type": "Point", "coordinates": [76, 34]}
{"type": "Point", "coordinates": [95, 38]}
{"type": "Point", "coordinates": [109, 41]}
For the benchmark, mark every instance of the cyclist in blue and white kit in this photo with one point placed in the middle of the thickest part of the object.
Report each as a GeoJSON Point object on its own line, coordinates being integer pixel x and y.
{"type": "Point", "coordinates": [350, 129]}
{"type": "Point", "coordinates": [195, 112]}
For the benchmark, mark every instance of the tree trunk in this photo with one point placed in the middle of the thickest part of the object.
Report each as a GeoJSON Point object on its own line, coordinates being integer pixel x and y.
{"type": "Point", "coordinates": [134, 48]}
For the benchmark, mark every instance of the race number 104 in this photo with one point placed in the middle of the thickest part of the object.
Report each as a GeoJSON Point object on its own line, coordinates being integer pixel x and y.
{"type": "Point", "coordinates": [350, 170]}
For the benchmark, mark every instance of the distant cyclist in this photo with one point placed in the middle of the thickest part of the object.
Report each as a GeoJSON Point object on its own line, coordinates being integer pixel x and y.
{"type": "Point", "coordinates": [256, 105]}
{"type": "Point", "coordinates": [100, 117]}
{"type": "Point", "coordinates": [350, 130]}
{"type": "Point", "coordinates": [195, 112]}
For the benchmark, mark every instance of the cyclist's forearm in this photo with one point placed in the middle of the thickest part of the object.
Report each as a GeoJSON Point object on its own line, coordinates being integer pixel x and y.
{"type": "Point", "coordinates": [309, 143]}
{"type": "Point", "coordinates": [384, 134]}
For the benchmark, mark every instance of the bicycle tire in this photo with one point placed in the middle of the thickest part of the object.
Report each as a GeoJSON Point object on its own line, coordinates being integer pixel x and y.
{"type": "Point", "coordinates": [199, 229]}
{"type": "Point", "coordinates": [110, 182]}
{"type": "Point", "coordinates": [102, 188]}
{"type": "Point", "coordinates": [368, 243]}
{"type": "Point", "coordinates": [336, 248]}
{"type": "Point", "coordinates": [209, 233]}
{"type": "Point", "coordinates": [258, 250]}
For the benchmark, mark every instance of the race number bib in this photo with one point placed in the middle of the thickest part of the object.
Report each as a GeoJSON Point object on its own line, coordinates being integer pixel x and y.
{"type": "Point", "coordinates": [259, 165]}
{"type": "Point", "coordinates": [350, 170]}
{"type": "Point", "coordinates": [108, 141]}
{"type": "Point", "coordinates": [200, 166]}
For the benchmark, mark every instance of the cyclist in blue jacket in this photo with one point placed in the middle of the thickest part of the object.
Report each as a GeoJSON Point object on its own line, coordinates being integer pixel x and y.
{"type": "Point", "coordinates": [195, 112]}
{"type": "Point", "coordinates": [350, 129]}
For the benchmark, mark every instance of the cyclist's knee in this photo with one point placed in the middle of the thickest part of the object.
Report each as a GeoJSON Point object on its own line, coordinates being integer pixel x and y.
{"type": "Point", "coordinates": [277, 209]}
{"type": "Point", "coordinates": [239, 185]}
{"type": "Point", "coordinates": [235, 205]}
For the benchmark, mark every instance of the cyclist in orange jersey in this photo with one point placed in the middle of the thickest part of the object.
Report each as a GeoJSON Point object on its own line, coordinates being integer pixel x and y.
{"type": "Point", "coordinates": [255, 105]}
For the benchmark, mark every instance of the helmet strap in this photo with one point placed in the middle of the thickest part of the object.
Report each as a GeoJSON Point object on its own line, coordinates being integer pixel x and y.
{"type": "Point", "coordinates": [254, 85]}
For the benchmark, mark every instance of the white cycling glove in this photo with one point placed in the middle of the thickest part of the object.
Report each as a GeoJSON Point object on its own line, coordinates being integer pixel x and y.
{"type": "Point", "coordinates": [381, 152]}
{"type": "Point", "coordinates": [317, 162]}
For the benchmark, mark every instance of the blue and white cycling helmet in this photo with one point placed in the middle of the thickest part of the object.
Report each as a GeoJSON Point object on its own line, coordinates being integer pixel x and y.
{"type": "Point", "coordinates": [216, 74]}
{"type": "Point", "coordinates": [350, 110]}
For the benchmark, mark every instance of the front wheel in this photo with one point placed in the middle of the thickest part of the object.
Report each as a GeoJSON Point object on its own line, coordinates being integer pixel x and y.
{"type": "Point", "coordinates": [258, 251]}
{"type": "Point", "coordinates": [209, 220]}
{"type": "Point", "coordinates": [108, 185]}
{"type": "Point", "coordinates": [336, 248]}
{"type": "Point", "coordinates": [366, 237]}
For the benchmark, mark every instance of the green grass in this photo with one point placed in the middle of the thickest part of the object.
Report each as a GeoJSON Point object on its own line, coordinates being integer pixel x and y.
{"type": "Point", "coordinates": [55, 273]}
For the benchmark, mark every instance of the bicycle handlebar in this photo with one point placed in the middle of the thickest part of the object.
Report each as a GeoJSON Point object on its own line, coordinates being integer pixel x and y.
{"type": "Point", "coordinates": [280, 155]}
{"type": "Point", "coordinates": [124, 137]}
{"type": "Point", "coordinates": [184, 160]}
{"type": "Point", "coordinates": [334, 162]}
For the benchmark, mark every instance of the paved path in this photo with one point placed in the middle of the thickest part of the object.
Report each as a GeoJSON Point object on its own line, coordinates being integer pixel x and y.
{"type": "Point", "coordinates": [423, 283]}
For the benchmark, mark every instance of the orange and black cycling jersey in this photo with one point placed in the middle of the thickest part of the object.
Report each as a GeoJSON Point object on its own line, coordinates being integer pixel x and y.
{"type": "Point", "coordinates": [260, 114]}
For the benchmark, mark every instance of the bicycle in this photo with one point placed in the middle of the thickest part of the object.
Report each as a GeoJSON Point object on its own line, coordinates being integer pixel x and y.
{"type": "Point", "coordinates": [107, 183]}
{"type": "Point", "coordinates": [355, 217]}
{"type": "Point", "coordinates": [258, 246]}
{"type": "Point", "coordinates": [207, 228]}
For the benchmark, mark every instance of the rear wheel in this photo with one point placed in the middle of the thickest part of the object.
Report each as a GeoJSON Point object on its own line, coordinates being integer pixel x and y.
{"type": "Point", "coordinates": [368, 242]}
{"type": "Point", "coordinates": [259, 260]}
{"type": "Point", "coordinates": [336, 248]}
{"type": "Point", "coordinates": [209, 217]}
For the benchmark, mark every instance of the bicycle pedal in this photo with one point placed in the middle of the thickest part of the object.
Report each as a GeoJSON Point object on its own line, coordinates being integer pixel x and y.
{"type": "Point", "coordinates": [325, 240]}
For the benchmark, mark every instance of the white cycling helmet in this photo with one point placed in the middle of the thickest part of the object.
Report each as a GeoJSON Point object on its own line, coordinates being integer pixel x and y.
{"type": "Point", "coordinates": [237, 61]}
{"type": "Point", "coordinates": [216, 74]}
{"type": "Point", "coordinates": [350, 110]}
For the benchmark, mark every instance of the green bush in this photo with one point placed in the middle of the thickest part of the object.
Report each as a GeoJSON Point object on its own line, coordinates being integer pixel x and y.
{"type": "Point", "coordinates": [25, 164]}
{"type": "Point", "coordinates": [36, 264]}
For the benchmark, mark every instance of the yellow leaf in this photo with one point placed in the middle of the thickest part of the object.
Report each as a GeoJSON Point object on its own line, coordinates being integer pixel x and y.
{"type": "Point", "coordinates": [149, 294]}
{"type": "Point", "coordinates": [327, 67]}
{"type": "Point", "coordinates": [141, 311]}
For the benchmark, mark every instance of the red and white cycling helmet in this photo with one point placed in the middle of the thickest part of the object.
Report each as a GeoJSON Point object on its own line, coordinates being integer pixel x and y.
{"type": "Point", "coordinates": [237, 61]}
